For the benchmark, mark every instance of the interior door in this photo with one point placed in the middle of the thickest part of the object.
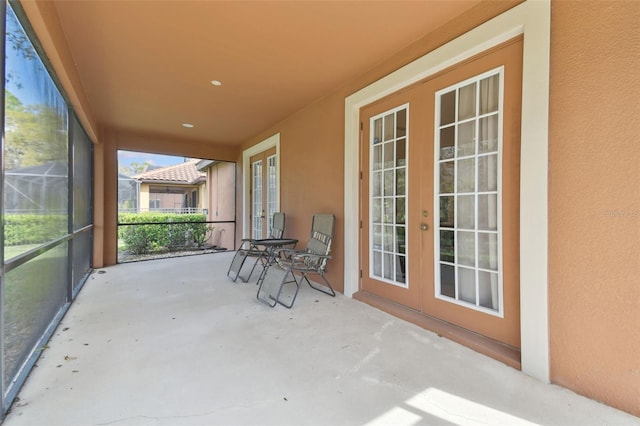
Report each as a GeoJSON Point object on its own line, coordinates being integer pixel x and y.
{"type": "Point", "coordinates": [264, 191]}
{"type": "Point", "coordinates": [440, 184]}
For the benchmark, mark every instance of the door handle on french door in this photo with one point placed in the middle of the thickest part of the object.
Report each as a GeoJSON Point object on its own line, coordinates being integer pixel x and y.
{"type": "Point", "coordinates": [424, 227]}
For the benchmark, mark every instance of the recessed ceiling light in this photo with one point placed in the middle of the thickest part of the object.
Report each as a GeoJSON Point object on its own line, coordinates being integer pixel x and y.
{"type": "Point", "coordinates": [187, 125]}
{"type": "Point", "coordinates": [216, 82]}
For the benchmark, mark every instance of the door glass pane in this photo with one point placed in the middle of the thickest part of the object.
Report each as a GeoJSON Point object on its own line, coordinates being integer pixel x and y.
{"type": "Point", "coordinates": [469, 191]}
{"type": "Point", "coordinates": [467, 285]}
{"type": "Point", "coordinates": [447, 212]}
{"type": "Point", "coordinates": [389, 126]}
{"type": "Point", "coordinates": [447, 246]}
{"type": "Point", "coordinates": [488, 212]}
{"type": "Point", "coordinates": [467, 102]}
{"type": "Point", "coordinates": [401, 153]}
{"type": "Point", "coordinates": [488, 290]}
{"type": "Point", "coordinates": [447, 142]}
{"type": "Point", "coordinates": [466, 175]}
{"type": "Point", "coordinates": [488, 134]}
{"type": "Point", "coordinates": [400, 239]}
{"type": "Point", "coordinates": [389, 155]}
{"type": "Point", "coordinates": [377, 264]}
{"type": "Point", "coordinates": [489, 94]}
{"type": "Point", "coordinates": [488, 251]}
{"type": "Point", "coordinates": [447, 281]}
{"type": "Point", "coordinates": [401, 273]}
{"type": "Point", "coordinates": [401, 123]}
{"type": "Point", "coordinates": [488, 173]}
{"type": "Point", "coordinates": [388, 202]}
{"type": "Point", "coordinates": [376, 184]}
{"type": "Point", "coordinates": [376, 210]}
{"type": "Point", "coordinates": [389, 183]}
{"type": "Point", "coordinates": [400, 210]}
{"type": "Point", "coordinates": [377, 237]}
{"type": "Point", "coordinates": [466, 248]}
{"type": "Point", "coordinates": [446, 177]}
{"type": "Point", "coordinates": [388, 238]}
{"type": "Point", "coordinates": [448, 108]}
{"type": "Point", "coordinates": [376, 153]}
{"type": "Point", "coordinates": [400, 181]}
{"type": "Point", "coordinates": [466, 212]}
{"type": "Point", "coordinates": [377, 131]}
{"type": "Point", "coordinates": [388, 214]}
{"type": "Point", "coordinates": [466, 139]}
{"type": "Point", "coordinates": [388, 266]}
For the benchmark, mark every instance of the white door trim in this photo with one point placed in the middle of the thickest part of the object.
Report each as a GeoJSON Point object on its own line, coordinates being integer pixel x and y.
{"type": "Point", "coordinates": [270, 142]}
{"type": "Point", "coordinates": [533, 20]}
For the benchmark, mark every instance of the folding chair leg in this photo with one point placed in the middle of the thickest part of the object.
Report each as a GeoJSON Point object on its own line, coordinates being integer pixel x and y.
{"type": "Point", "coordinates": [268, 300]}
{"type": "Point", "coordinates": [271, 300]}
{"type": "Point", "coordinates": [277, 298]}
{"type": "Point", "coordinates": [236, 264]}
{"type": "Point", "coordinates": [248, 277]}
{"type": "Point", "coordinates": [327, 289]}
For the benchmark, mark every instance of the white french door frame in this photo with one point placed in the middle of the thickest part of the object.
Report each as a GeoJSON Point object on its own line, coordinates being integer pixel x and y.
{"type": "Point", "coordinates": [532, 19]}
{"type": "Point", "coordinates": [270, 142]}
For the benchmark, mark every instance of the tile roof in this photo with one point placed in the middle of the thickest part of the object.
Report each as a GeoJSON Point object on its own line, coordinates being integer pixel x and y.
{"type": "Point", "coordinates": [185, 173]}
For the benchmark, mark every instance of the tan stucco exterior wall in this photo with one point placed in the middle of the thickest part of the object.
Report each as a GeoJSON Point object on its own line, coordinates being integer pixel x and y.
{"type": "Point", "coordinates": [144, 196]}
{"type": "Point", "coordinates": [594, 200]}
{"type": "Point", "coordinates": [221, 186]}
{"type": "Point", "coordinates": [312, 143]}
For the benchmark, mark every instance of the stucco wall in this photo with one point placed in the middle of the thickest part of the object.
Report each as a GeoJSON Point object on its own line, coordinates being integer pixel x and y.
{"type": "Point", "coordinates": [221, 187]}
{"type": "Point", "coordinates": [594, 217]}
{"type": "Point", "coordinates": [312, 142]}
{"type": "Point", "coordinates": [144, 196]}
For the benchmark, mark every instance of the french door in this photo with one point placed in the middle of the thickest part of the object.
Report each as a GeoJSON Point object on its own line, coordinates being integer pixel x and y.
{"type": "Point", "coordinates": [264, 190]}
{"type": "Point", "coordinates": [440, 205]}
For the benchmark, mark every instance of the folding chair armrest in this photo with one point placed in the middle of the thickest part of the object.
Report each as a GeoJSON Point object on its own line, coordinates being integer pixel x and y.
{"type": "Point", "coordinates": [285, 252]}
{"type": "Point", "coordinates": [306, 254]}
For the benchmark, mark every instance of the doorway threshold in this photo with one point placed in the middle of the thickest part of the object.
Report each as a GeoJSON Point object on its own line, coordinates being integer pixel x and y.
{"type": "Point", "coordinates": [484, 345]}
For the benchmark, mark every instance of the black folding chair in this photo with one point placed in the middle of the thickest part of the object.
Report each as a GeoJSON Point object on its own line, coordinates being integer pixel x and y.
{"type": "Point", "coordinates": [287, 263]}
{"type": "Point", "coordinates": [251, 248]}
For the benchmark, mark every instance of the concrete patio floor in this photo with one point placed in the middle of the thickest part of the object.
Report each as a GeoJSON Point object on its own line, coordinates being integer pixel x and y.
{"type": "Point", "coordinates": [174, 342]}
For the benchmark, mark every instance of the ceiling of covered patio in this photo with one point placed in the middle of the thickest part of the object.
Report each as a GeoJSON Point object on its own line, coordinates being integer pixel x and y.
{"type": "Point", "coordinates": [230, 69]}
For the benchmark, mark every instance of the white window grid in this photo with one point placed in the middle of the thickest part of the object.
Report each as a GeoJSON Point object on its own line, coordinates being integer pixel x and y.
{"type": "Point", "coordinates": [272, 189]}
{"type": "Point", "coordinates": [388, 261]}
{"type": "Point", "coordinates": [256, 231]}
{"type": "Point", "coordinates": [499, 310]}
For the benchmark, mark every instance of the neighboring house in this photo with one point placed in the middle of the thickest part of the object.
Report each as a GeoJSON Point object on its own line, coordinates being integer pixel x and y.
{"type": "Point", "coordinates": [177, 189]}
{"type": "Point", "coordinates": [195, 186]}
